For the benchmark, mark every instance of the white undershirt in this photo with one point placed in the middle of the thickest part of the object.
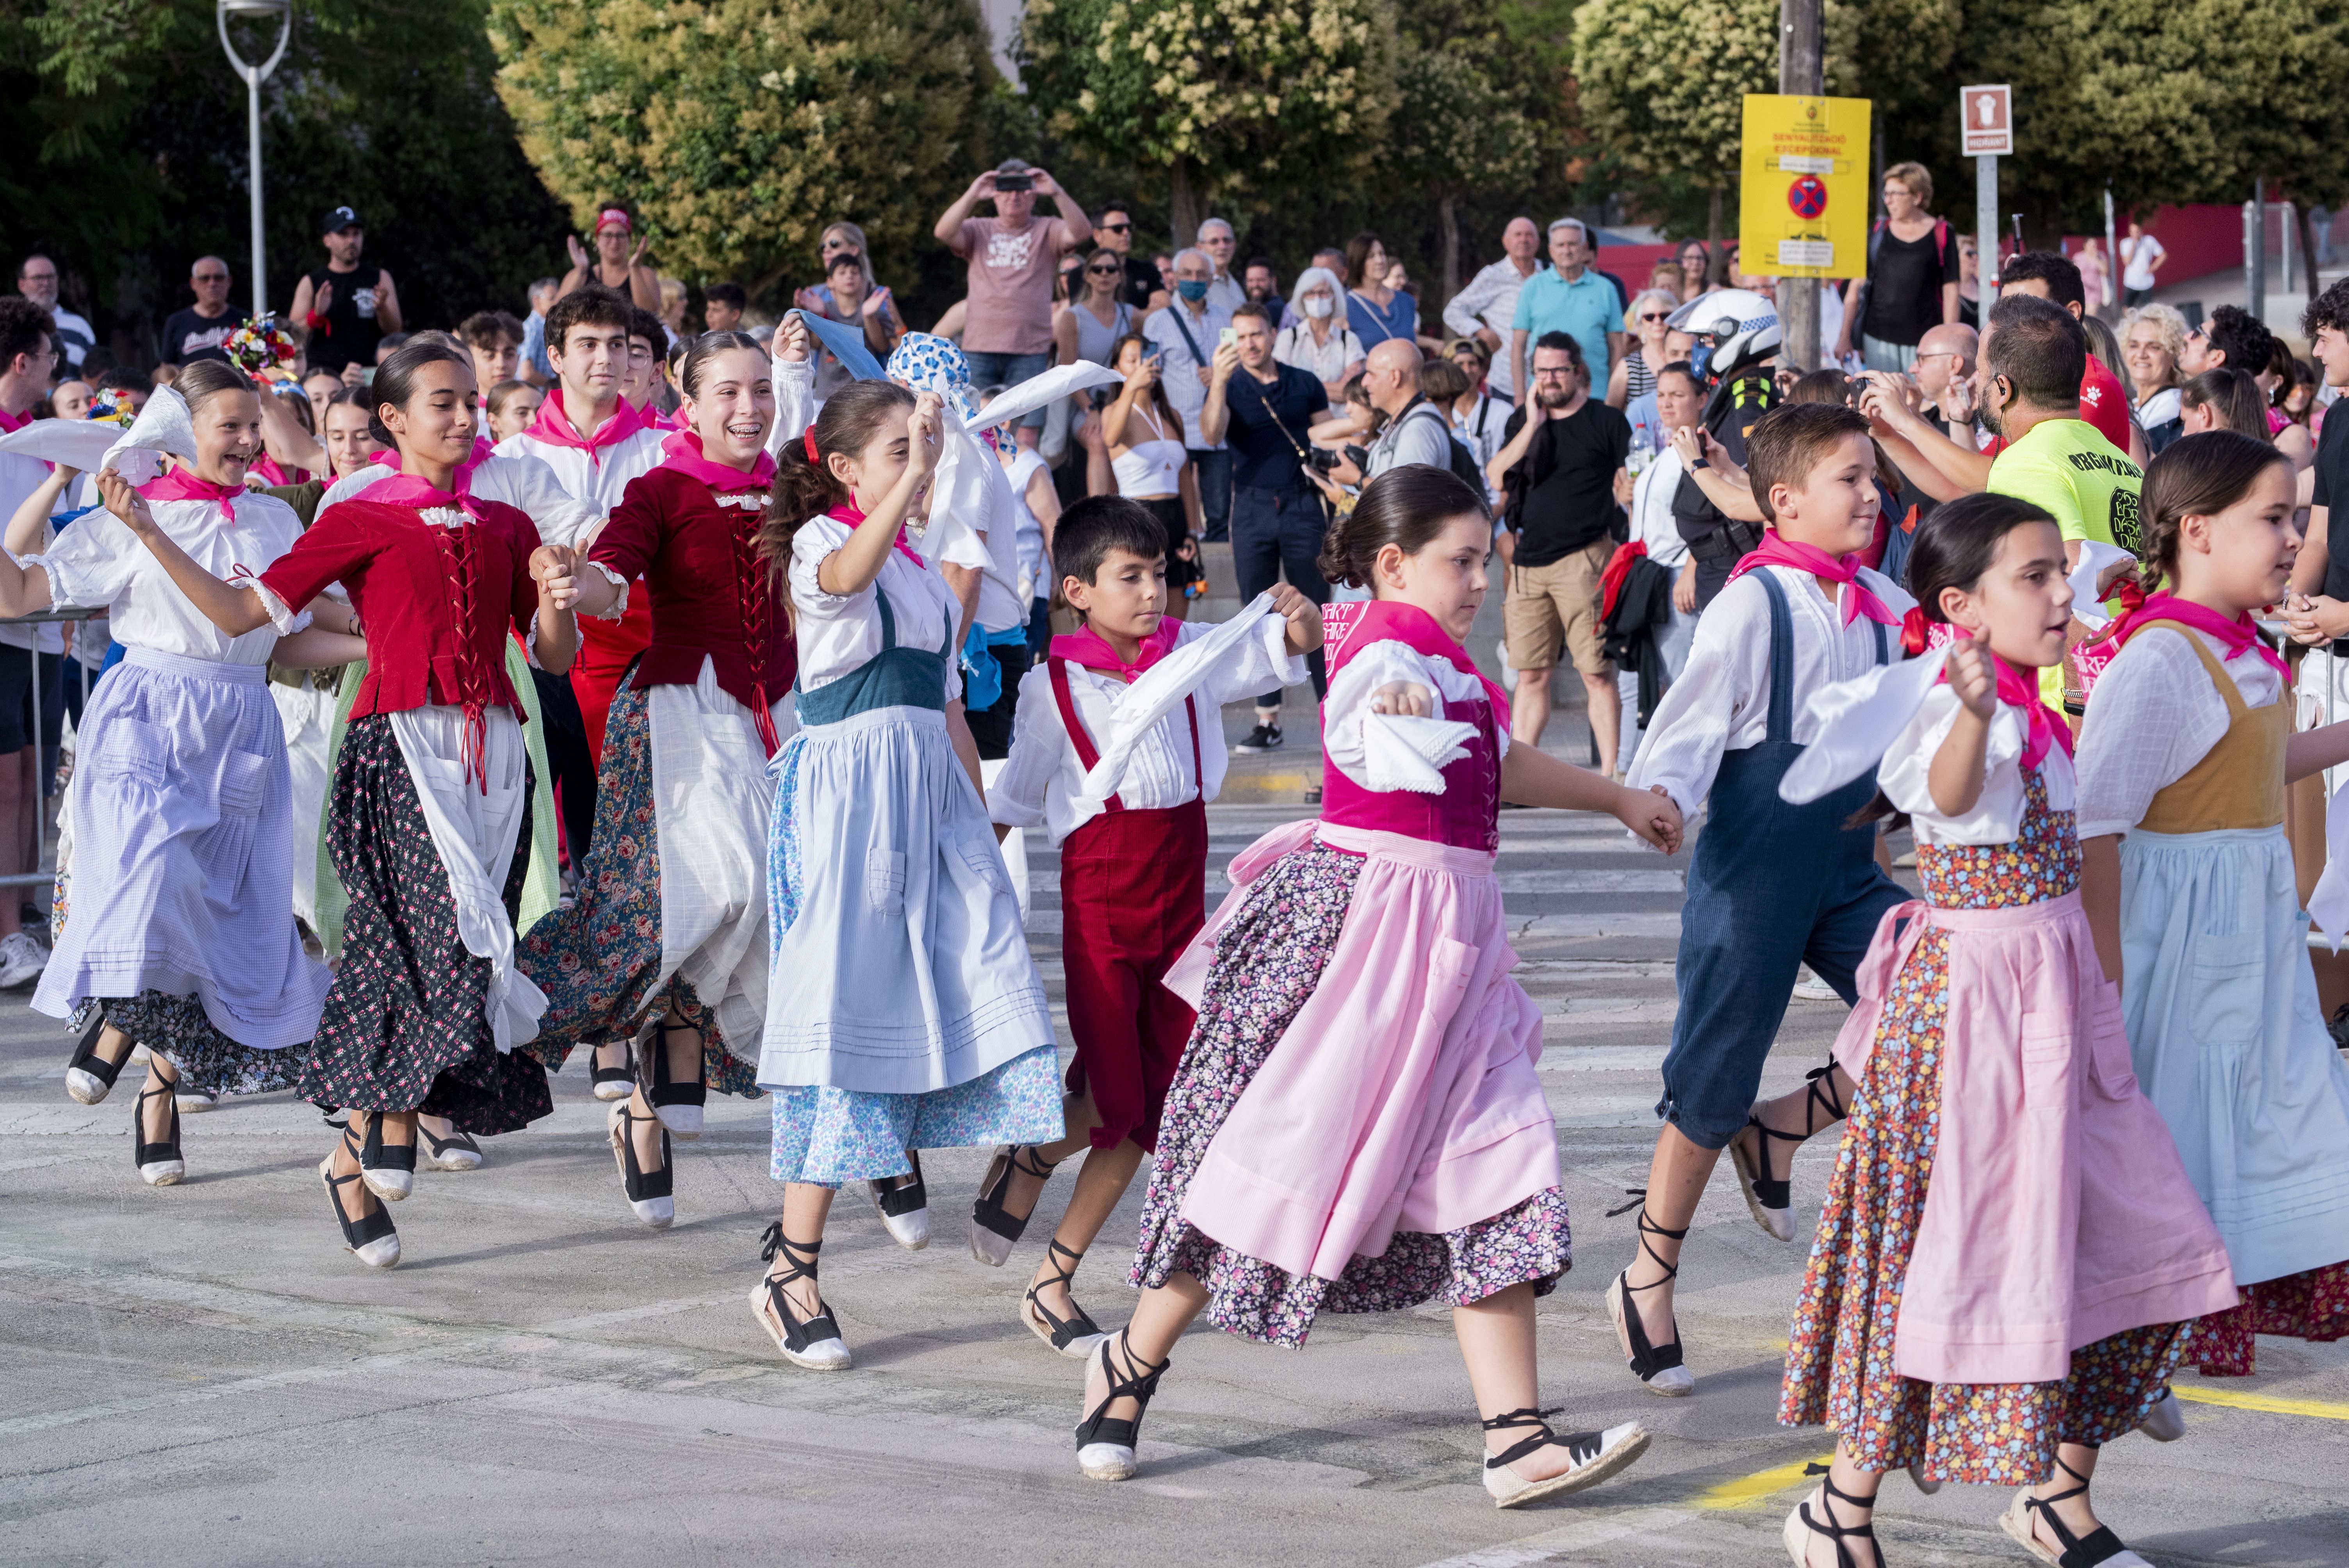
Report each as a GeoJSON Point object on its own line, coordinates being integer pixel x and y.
{"type": "Point", "coordinates": [838, 633]}
{"type": "Point", "coordinates": [1346, 710]}
{"type": "Point", "coordinates": [1997, 815]}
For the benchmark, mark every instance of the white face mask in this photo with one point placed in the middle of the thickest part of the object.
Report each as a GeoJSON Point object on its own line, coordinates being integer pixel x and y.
{"type": "Point", "coordinates": [1319, 305]}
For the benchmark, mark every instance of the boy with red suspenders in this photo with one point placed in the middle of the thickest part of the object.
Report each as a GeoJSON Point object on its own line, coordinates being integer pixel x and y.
{"type": "Point", "coordinates": [1133, 859]}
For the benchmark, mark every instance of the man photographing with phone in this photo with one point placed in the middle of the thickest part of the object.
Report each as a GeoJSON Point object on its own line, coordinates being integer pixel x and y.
{"type": "Point", "coordinates": [1013, 257]}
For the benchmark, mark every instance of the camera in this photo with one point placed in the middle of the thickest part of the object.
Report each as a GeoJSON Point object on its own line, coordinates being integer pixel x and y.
{"type": "Point", "coordinates": [1322, 458]}
{"type": "Point", "coordinates": [1004, 182]}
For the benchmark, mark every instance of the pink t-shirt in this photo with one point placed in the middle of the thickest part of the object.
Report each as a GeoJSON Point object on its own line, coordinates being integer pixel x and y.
{"type": "Point", "coordinates": [1010, 309]}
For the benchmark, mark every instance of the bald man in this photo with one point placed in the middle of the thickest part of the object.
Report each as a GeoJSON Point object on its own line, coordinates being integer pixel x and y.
{"type": "Point", "coordinates": [1485, 309]}
{"type": "Point", "coordinates": [198, 331]}
{"type": "Point", "coordinates": [1944, 355]}
{"type": "Point", "coordinates": [1417, 431]}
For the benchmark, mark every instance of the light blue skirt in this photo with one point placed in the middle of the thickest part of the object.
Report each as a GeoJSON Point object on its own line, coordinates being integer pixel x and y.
{"type": "Point", "coordinates": [903, 1009]}
{"type": "Point", "coordinates": [2228, 1042]}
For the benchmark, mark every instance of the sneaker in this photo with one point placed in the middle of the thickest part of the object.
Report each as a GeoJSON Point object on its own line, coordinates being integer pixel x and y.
{"type": "Point", "coordinates": [1809, 987]}
{"type": "Point", "coordinates": [1263, 738]}
{"type": "Point", "coordinates": [22, 959]}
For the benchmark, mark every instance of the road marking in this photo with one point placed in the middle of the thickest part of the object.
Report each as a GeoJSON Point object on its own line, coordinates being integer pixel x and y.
{"type": "Point", "coordinates": [2323, 1409]}
{"type": "Point", "coordinates": [1747, 1490]}
{"type": "Point", "coordinates": [1579, 1536]}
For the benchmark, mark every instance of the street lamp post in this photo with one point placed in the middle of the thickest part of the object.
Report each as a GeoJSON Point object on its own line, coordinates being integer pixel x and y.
{"type": "Point", "coordinates": [262, 11]}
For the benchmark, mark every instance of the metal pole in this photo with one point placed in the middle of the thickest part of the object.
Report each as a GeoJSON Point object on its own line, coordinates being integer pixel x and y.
{"type": "Point", "coordinates": [2255, 253]}
{"type": "Point", "coordinates": [1986, 228]}
{"type": "Point", "coordinates": [252, 141]}
{"type": "Point", "coordinates": [2112, 253]}
{"type": "Point", "coordinates": [1801, 71]}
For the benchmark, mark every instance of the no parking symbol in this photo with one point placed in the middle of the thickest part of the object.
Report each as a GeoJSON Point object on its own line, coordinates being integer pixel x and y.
{"type": "Point", "coordinates": [1807, 196]}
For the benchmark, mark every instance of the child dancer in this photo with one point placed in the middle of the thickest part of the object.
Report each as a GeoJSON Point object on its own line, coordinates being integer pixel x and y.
{"type": "Point", "coordinates": [1356, 1125]}
{"type": "Point", "coordinates": [2010, 1251]}
{"type": "Point", "coordinates": [179, 934]}
{"type": "Point", "coordinates": [1772, 886]}
{"type": "Point", "coordinates": [1132, 874]}
{"type": "Point", "coordinates": [431, 788]}
{"type": "Point", "coordinates": [669, 932]}
{"type": "Point", "coordinates": [902, 1010]}
{"type": "Point", "coordinates": [2187, 751]}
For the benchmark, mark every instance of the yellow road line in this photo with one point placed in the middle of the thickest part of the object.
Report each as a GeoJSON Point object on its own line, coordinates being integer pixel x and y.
{"type": "Point", "coordinates": [1747, 1490]}
{"type": "Point", "coordinates": [2323, 1409]}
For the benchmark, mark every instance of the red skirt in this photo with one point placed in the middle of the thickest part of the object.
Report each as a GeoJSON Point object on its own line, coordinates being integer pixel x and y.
{"type": "Point", "coordinates": [1134, 891]}
{"type": "Point", "coordinates": [605, 650]}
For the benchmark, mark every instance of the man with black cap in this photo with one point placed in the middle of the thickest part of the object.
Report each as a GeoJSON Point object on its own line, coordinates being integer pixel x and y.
{"type": "Point", "coordinates": [347, 305]}
{"type": "Point", "coordinates": [617, 263]}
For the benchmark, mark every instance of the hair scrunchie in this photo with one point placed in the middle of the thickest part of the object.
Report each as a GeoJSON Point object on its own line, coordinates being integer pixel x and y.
{"type": "Point", "coordinates": [807, 440]}
{"type": "Point", "coordinates": [1916, 634]}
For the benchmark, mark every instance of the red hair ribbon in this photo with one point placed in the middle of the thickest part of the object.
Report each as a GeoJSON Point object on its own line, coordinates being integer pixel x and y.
{"type": "Point", "coordinates": [1915, 631]}
{"type": "Point", "coordinates": [807, 440]}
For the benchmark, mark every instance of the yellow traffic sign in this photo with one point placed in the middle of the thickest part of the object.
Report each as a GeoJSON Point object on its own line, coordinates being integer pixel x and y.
{"type": "Point", "coordinates": [1804, 209]}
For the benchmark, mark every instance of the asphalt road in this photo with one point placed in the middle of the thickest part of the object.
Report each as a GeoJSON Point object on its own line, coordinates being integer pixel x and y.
{"type": "Point", "coordinates": [200, 1375]}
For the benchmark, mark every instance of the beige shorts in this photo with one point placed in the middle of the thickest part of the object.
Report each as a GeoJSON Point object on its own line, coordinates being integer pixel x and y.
{"type": "Point", "coordinates": [1554, 604]}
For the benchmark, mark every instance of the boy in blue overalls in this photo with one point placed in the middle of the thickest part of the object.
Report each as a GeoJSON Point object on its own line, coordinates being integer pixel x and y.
{"type": "Point", "coordinates": [1771, 886]}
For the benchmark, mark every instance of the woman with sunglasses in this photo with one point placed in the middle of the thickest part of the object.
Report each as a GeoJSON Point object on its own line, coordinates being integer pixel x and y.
{"type": "Point", "coordinates": [1634, 374]}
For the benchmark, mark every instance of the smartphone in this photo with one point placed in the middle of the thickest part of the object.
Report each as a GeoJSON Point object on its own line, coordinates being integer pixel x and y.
{"type": "Point", "coordinates": [1226, 337]}
{"type": "Point", "coordinates": [1014, 182]}
{"type": "Point", "coordinates": [1155, 358]}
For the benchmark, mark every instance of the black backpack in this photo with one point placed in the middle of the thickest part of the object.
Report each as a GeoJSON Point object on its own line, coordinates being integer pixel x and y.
{"type": "Point", "coordinates": [1463, 461]}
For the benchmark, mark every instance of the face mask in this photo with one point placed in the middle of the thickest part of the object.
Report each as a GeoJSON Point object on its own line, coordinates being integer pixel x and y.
{"type": "Point", "coordinates": [1193, 289]}
{"type": "Point", "coordinates": [1319, 305]}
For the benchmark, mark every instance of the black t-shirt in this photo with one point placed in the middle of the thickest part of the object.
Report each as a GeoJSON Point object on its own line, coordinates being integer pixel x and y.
{"type": "Point", "coordinates": [349, 332]}
{"type": "Point", "coordinates": [1262, 458]}
{"type": "Point", "coordinates": [1904, 282]}
{"type": "Point", "coordinates": [1569, 473]}
{"type": "Point", "coordinates": [190, 335]}
{"type": "Point", "coordinates": [2331, 479]}
{"type": "Point", "coordinates": [1142, 280]}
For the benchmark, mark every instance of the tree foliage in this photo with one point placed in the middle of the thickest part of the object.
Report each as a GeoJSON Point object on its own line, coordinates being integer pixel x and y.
{"type": "Point", "coordinates": [129, 135]}
{"type": "Point", "coordinates": [1231, 97]}
{"type": "Point", "coordinates": [739, 129]}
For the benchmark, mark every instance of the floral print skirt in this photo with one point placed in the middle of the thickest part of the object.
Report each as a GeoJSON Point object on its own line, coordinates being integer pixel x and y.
{"type": "Point", "coordinates": [208, 1062]}
{"type": "Point", "coordinates": [1267, 961]}
{"type": "Point", "coordinates": [599, 962]}
{"type": "Point", "coordinates": [404, 1026]}
{"type": "Point", "coordinates": [828, 1136]}
{"type": "Point", "coordinates": [2312, 1305]}
{"type": "Point", "coordinates": [1839, 1357]}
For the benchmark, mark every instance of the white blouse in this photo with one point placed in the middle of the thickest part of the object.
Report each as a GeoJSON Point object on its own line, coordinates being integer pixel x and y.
{"type": "Point", "coordinates": [1325, 362]}
{"type": "Point", "coordinates": [2152, 716]}
{"type": "Point", "coordinates": [1997, 815]}
{"type": "Point", "coordinates": [839, 633]}
{"type": "Point", "coordinates": [98, 563]}
{"type": "Point", "coordinates": [522, 481]}
{"type": "Point", "coordinates": [1364, 745]}
{"type": "Point", "coordinates": [1044, 783]}
{"type": "Point", "coordinates": [1721, 700]}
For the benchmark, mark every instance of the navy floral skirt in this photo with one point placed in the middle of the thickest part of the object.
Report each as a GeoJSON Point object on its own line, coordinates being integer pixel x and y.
{"type": "Point", "coordinates": [208, 1061]}
{"type": "Point", "coordinates": [599, 962]}
{"type": "Point", "coordinates": [1267, 961]}
{"type": "Point", "coordinates": [404, 1026]}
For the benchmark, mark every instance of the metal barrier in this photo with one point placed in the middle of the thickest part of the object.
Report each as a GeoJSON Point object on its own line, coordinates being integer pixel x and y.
{"type": "Point", "coordinates": [40, 771]}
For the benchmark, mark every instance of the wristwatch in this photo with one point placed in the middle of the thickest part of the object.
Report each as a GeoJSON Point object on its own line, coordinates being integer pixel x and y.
{"type": "Point", "coordinates": [1700, 463]}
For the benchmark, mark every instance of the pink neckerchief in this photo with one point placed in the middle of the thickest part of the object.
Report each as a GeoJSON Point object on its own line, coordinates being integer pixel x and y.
{"type": "Point", "coordinates": [2236, 635]}
{"type": "Point", "coordinates": [1774, 550]}
{"type": "Point", "coordinates": [267, 467]}
{"type": "Point", "coordinates": [846, 512]}
{"type": "Point", "coordinates": [408, 490]}
{"type": "Point", "coordinates": [1357, 625]}
{"type": "Point", "coordinates": [682, 451]}
{"type": "Point", "coordinates": [551, 425]}
{"type": "Point", "coordinates": [2017, 690]}
{"type": "Point", "coordinates": [12, 423]}
{"type": "Point", "coordinates": [182, 484]}
{"type": "Point", "coordinates": [1088, 648]}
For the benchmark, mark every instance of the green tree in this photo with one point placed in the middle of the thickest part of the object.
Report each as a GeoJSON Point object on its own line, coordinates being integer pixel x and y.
{"type": "Point", "coordinates": [1229, 98]}
{"type": "Point", "coordinates": [739, 129]}
{"type": "Point", "coordinates": [129, 131]}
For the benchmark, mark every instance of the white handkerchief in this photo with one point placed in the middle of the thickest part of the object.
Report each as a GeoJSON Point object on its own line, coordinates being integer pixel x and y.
{"type": "Point", "coordinates": [163, 426]}
{"type": "Point", "coordinates": [77, 443]}
{"type": "Point", "coordinates": [1160, 690]}
{"type": "Point", "coordinates": [1400, 752]}
{"type": "Point", "coordinates": [1858, 720]}
{"type": "Point", "coordinates": [1061, 381]}
{"type": "Point", "coordinates": [2328, 904]}
{"type": "Point", "coordinates": [2095, 559]}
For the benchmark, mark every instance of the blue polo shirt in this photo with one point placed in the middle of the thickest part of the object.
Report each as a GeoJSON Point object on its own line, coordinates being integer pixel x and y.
{"type": "Point", "coordinates": [1586, 307]}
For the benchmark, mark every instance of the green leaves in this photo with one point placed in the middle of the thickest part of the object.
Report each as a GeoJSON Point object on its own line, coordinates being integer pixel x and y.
{"type": "Point", "coordinates": [739, 129]}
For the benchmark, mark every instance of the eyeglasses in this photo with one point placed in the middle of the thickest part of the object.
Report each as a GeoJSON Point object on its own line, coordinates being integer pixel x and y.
{"type": "Point", "coordinates": [1655, 316]}
{"type": "Point", "coordinates": [210, 277]}
{"type": "Point", "coordinates": [1115, 228]}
